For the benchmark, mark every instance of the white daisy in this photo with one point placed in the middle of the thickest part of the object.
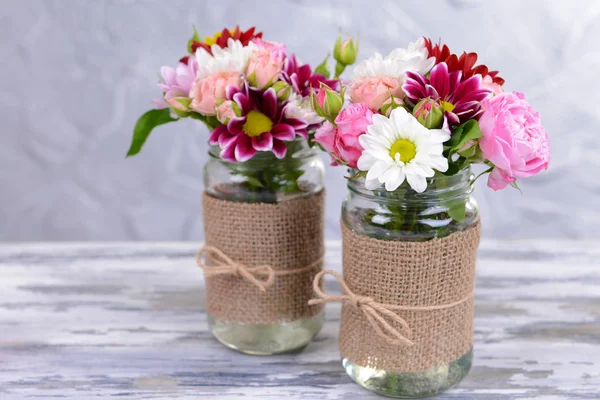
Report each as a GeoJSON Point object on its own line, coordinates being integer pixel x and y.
{"type": "Point", "coordinates": [234, 57]}
{"type": "Point", "coordinates": [299, 107]}
{"type": "Point", "coordinates": [397, 63]}
{"type": "Point", "coordinates": [398, 148]}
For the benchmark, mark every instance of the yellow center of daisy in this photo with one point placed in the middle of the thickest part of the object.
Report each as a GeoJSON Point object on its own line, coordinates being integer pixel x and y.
{"type": "Point", "coordinates": [405, 149]}
{"type": "Point", "coordinates": [212, 40]}
{"type": "Point", "coordinates": [447, 106]}
{"type": "Point", "coordinates": [257, 123]}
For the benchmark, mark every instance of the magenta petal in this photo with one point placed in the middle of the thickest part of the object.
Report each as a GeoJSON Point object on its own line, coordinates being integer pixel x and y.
{"type": "Point", "coordinates": [226, 139]}
{"type": "Point", "coordinates": [296, 123]}
{"type": "Point", "coordinates": [243, 102]}
{"type": "Point", "coordinates": [466, 87]}
{"type": "Point", "coordinates": [231, 90]}
{"type": "Point", "coordinates": [243, 149]}
{"type": "Point", "coordinates": [452, 118]}
{"type": "Point", "coordinates": [263, 142]}
{"type": "Point", "coordinates": [236, 125]}
{"type": "Point", "coordinates": [270, 103]}
{"type": "Point", "coordinates": [431, 92]}
{"type": "Point", "coordinates": [279, 148]}
{"type": "Point", "coordinates": [413, 90]}
{"type": "Point", "coordinates": [228, 153]}
{"type": "Point", "coordinates": [303, 133]}
{"type": "Point", "coordinates": [439, 79]}
{"type": "Point", "coordinates": [419, 79]}
{"type": "Point", "coordinates": [216, 133]}
{"type": "Point", "coordinates": [283, 132]}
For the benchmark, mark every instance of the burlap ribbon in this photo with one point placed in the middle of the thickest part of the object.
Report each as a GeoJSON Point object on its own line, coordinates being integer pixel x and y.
{"type": "Point", "coordinates": [260, 259]}
{"type": "Point", "coordinates": [416, 296]}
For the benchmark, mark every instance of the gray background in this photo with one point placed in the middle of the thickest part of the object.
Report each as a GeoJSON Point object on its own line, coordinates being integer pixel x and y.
{"type": "Point", "coordinates": [75, 75]}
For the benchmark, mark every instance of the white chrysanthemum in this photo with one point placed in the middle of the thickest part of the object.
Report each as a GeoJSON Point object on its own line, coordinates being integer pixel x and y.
{"type": "Point", "coordinates": [397, 63]}
{"type": "Point", "coordinates": [299, 107]}
{"type": "Point", "coordinates": [398, 148]}
{"type": "Point", "coordinates": [234, 57]}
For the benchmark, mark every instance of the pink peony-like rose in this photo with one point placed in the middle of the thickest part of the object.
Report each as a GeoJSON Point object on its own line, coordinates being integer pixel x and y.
{"type": "Point", "coordinates": [342, 142]}
{"type": "Point", "coordinates": [205, 92]}
{"type": "Point", "coordinates": [375, 91]}
{"type": "Point", "coordinates": [514, 139]}
{"type": "Point", "coordinates": [351, 122]}
{"type": "Point", "coordinates": [264, 67]}
{"type": "Point", "coordinates": [325, 136]}
{"type": "Point", "coordinates": [489, 84]}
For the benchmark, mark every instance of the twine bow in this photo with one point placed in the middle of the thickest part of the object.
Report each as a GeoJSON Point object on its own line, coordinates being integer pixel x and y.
{"type": "Point", "coordinates": [376, 313]}
{"type": "Point", "coordinates": [226, 266]}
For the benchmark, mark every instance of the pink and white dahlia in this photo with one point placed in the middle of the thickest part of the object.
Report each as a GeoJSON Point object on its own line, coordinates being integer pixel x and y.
{"type": "Point", "coordinates": [461, 101]}
{"type": "Point", "coordinates": [176, 82]}
{"type": "Point", "coordinates": [262, 126]}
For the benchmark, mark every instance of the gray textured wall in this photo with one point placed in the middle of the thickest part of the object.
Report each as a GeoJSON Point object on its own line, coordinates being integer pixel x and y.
{"type": "Point", "coordinates": [77, 74]}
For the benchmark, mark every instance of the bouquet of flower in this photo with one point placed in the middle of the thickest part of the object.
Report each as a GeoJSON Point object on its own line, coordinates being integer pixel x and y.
{"type": "Point", "coordinates": [422, 112]}
{"type": "Point", "coordinates": [252, 95]}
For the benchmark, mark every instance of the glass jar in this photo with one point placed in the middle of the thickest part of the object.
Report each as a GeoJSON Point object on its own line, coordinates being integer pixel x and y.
{"type": "Point", "coordinates": [266, 179]}
{"type": "Point", "coordinates": [445, 207]}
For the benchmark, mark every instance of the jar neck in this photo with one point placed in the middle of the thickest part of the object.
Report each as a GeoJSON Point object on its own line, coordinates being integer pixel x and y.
{"type": "Point", "coordinates": [298, 150]}
{"type": "Point", "coordinates": [440, 188]}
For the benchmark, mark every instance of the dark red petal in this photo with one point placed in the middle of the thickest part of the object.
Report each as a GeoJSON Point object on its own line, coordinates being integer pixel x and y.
{"type": "Point", "coordinates": [283, 132]}
{"type": "Point", "coordinates": [279, 148]}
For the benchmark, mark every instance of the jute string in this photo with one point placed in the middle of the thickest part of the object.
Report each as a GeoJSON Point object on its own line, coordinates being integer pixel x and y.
{"type": "Point", "coordinates": [260, 259]}
{"type": "Point", "coordinates": [375, 312]}
{"type": "Point", "coordinates": [406, 306]}
{"type": "Point", "coordinates": [224, 265]}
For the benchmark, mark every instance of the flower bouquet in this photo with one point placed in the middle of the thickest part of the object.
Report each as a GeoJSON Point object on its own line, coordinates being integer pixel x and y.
{"type": "Point", "coordinates": [264, 200]}
{"type": "Point", "coordinates": [416, 121]}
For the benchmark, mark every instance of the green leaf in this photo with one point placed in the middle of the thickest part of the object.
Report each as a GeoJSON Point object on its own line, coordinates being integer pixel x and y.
{"type": "Point", "coordinates": [144, 126]}
{"type": "Point", "coordinates": [453, 169]}
{"type": "Point", "coordinates": [323, 68]}
{"type": "Point", "coordinates": [358, 175]}
{"type": "Point", "coordinates": [457, 211]}
{"type": "Point", "coordinates": [254, 182]}
{"type": "Point", "coordinates": [470, 131]}
{"type": "Point", "coordinates": [192, 39]}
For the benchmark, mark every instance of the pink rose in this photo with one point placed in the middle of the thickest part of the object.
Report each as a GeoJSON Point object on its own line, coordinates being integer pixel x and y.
{"type": "Point", "coordinates": [489, 84]}
{"type": "Point", "coordinates": [351, 122]}
{"type": "Point", "coordinates": [270, 46]}
{"type": "Point", "coordinates": [375, 91]}
{"type": "Point", "coordinates": [325, 136]}
{"type": "Point", "coordinates": [514, 139]}
{"type": "Point", "coordinates": [264, 67]}
{"type": "Point", "coordinates": [205, 92]}
{"type": "Point", "coordinates": [225, 112]}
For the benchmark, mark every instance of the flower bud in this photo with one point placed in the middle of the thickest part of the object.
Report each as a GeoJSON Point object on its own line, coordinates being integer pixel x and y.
{"type": "Point", "coordinates": [429, 113]}
{"type": "Point", "coordinates": [282, 89]}
{"type": "Point", "coordinates": [327, 102]}
{"type": "Point", "coordinates": [180, 105]}
{"type": "Point", "coordinates": [390, 104]}
{"type": "Point", "coordinates": [345, 51]}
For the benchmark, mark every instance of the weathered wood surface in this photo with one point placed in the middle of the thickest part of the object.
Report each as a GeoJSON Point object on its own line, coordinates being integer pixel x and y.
{"type": "Point", "coordinates": [127, 320]}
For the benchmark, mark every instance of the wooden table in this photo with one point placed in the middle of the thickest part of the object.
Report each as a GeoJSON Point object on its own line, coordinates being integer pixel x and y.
{"type": "Point", "coordinates": [127, 320]}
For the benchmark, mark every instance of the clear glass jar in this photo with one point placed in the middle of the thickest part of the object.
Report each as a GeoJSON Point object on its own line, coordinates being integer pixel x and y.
{"type": "Point", "coordinates": [266, 179]}
{"type": "Point", "coordinates": [445, 207]}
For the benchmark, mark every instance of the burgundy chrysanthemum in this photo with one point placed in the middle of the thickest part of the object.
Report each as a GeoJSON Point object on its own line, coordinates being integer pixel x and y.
{"type": "Point", "coordinates": [261, 127]}
{"type": "Point", "coordinates": [461, 101]}
{"type": "Point", "coordinates": [465, 63]}
{"type": "Point", "coordinates": [301, 77]}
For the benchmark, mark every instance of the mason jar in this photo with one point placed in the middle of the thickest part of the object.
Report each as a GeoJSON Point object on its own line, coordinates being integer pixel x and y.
{"type": "Point", "coordinates": [444, 208]}
{"type": "Point", "coordinates": [268, 180]}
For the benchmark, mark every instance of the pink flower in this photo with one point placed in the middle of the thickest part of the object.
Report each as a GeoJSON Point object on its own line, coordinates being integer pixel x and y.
{"type": "Point", "coordinates": [325, 136]}
{"type": "Point", "coordinates": [489, 84]}
{"type": "Point", "coordinates": [375, 91]}
{"type": "Point", "coordinates": [264, 67]}
{"type": "Point", "coordinates": [226, 112]}
{"type": "Point", "coordinates": [514, 139]}
{"type": "Point", "coordinates": [176, 82]}
{"type": "Point", "coordinates": [205, 92]}
{"type": "Point", "coordinates": [352, 122]}
{"type": "Point", "coordinates": [274, 47]}
{"type": "Point", "coordinates": [342, 143]}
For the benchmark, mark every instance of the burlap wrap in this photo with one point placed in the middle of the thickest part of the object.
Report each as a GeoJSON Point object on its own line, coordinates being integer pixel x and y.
{"type": "Point", "coordinates": [431, 273]}
{"type": "Point", "coordinates": [285, 236]}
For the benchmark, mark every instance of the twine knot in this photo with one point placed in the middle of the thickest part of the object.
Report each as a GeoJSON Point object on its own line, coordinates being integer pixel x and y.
{"type": "Point", "coordinates": [386, 323]}
{"type": "Point", "coordinates": [223, 265]}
